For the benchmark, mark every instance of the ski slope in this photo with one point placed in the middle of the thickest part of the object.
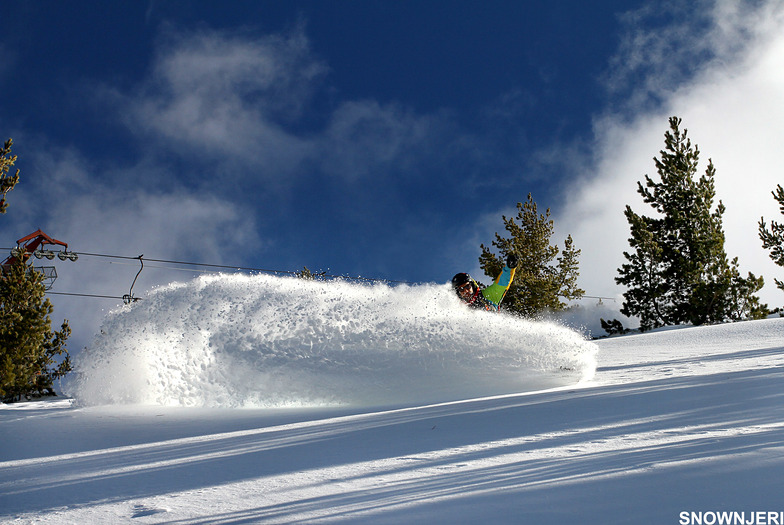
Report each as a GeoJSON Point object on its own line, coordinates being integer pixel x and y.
{"type": "Point", "coordinates": [679, 426]}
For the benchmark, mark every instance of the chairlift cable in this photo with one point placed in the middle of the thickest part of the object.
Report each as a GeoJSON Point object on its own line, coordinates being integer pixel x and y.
{"type": "Point", "coordinates": [245, 268]}
{"type": "Point", "coordinates": [240, 268]}
{"type": "Point", "coordinates": [87, 295]}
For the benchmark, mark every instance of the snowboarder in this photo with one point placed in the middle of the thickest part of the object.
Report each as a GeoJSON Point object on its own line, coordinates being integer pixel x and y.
{"type": "Point", "coordinates": [489, 298]}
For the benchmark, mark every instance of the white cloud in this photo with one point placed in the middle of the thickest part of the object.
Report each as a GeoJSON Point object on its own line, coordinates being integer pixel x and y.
{"type": "Point", "coordinates": [228, 97]}
{"type": "Point", "coordinates": [171, 225]}
{"type": "Point", "coordinates": [733, 108]}
{"type": "Point", "coordinates": [241, 101]}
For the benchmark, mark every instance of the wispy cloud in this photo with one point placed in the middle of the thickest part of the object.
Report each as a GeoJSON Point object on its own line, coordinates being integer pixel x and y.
{"type": "Point", "coordinates": [245, 103]}
{"type": "Point", "coordinates": [666, 44]}
{"type": "Point", "coordinates": [227, 97]}
{"type": "Point", "coordinates": [363, 137]}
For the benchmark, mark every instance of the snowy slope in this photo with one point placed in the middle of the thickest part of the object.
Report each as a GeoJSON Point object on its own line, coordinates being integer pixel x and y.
{"type": "Point", "coordinates": [673, 422]}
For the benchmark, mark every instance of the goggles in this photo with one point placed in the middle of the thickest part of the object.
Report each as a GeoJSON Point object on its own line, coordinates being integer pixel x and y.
{"type": "Point", "coordinates": [466, 289]}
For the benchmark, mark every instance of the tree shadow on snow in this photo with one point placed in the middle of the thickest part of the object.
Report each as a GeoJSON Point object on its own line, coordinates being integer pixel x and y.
{"type": "Point", "coordinates": [523, 454]}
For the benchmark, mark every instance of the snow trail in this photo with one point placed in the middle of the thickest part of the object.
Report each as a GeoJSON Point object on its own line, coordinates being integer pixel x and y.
{"type": "Point", "coordinates": [265, 341]}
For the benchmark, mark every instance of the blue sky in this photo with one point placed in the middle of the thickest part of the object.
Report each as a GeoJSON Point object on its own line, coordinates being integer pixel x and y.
{"type": "Point", "coordinates": [369, 138]}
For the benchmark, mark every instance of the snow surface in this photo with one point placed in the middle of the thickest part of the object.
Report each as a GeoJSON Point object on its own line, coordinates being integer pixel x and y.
{"type": "Point", "coordinates": [652, 426]}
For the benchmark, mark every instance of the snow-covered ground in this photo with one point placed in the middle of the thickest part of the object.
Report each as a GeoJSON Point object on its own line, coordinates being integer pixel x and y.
{"type": "Point", "coordinates": [181, 414]}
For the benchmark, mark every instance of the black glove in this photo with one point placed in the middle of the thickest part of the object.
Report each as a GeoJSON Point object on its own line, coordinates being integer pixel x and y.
{"type": "Point", "coordinates": [511, 260]}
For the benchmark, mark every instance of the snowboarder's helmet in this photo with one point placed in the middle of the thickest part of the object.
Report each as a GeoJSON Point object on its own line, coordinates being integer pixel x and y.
{"type": "Point", "coordinates": [460, 279]}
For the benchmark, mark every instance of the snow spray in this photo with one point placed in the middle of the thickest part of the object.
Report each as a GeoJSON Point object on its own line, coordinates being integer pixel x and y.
{"type": "Point", "coordinates": [263, 341]}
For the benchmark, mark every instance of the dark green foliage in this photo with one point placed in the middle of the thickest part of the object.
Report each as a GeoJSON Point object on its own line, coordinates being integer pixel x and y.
{"type": "Point", "coordinates": [7, 182]}
{"type": "Point", "coordinates": [29, 350]}
{"type": "Point", "coordinates": [773, 237]}
{"type": "Point", "coordinates": [540, 284]}
{"type": "Point", "coordinates": [613, 327]}
{"type": "Point", "coordinates": [678, 271]}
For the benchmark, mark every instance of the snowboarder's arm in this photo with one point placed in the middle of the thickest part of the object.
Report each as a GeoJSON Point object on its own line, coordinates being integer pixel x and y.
{"type": "Point", "coordinates": [495, 292]}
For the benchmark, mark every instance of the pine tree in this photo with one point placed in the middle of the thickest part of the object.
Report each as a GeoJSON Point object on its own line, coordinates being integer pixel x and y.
{"type": "Point", "coordinates": [539, 284]}
{"type": "Point", "coordinates": [773, 238]}
{"type": "Point", "coordinates": [7, 182]}
{"type": "Point", "coordinates": [679, 271]}
{"type": "Point", "coordinates": [29, 350]}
